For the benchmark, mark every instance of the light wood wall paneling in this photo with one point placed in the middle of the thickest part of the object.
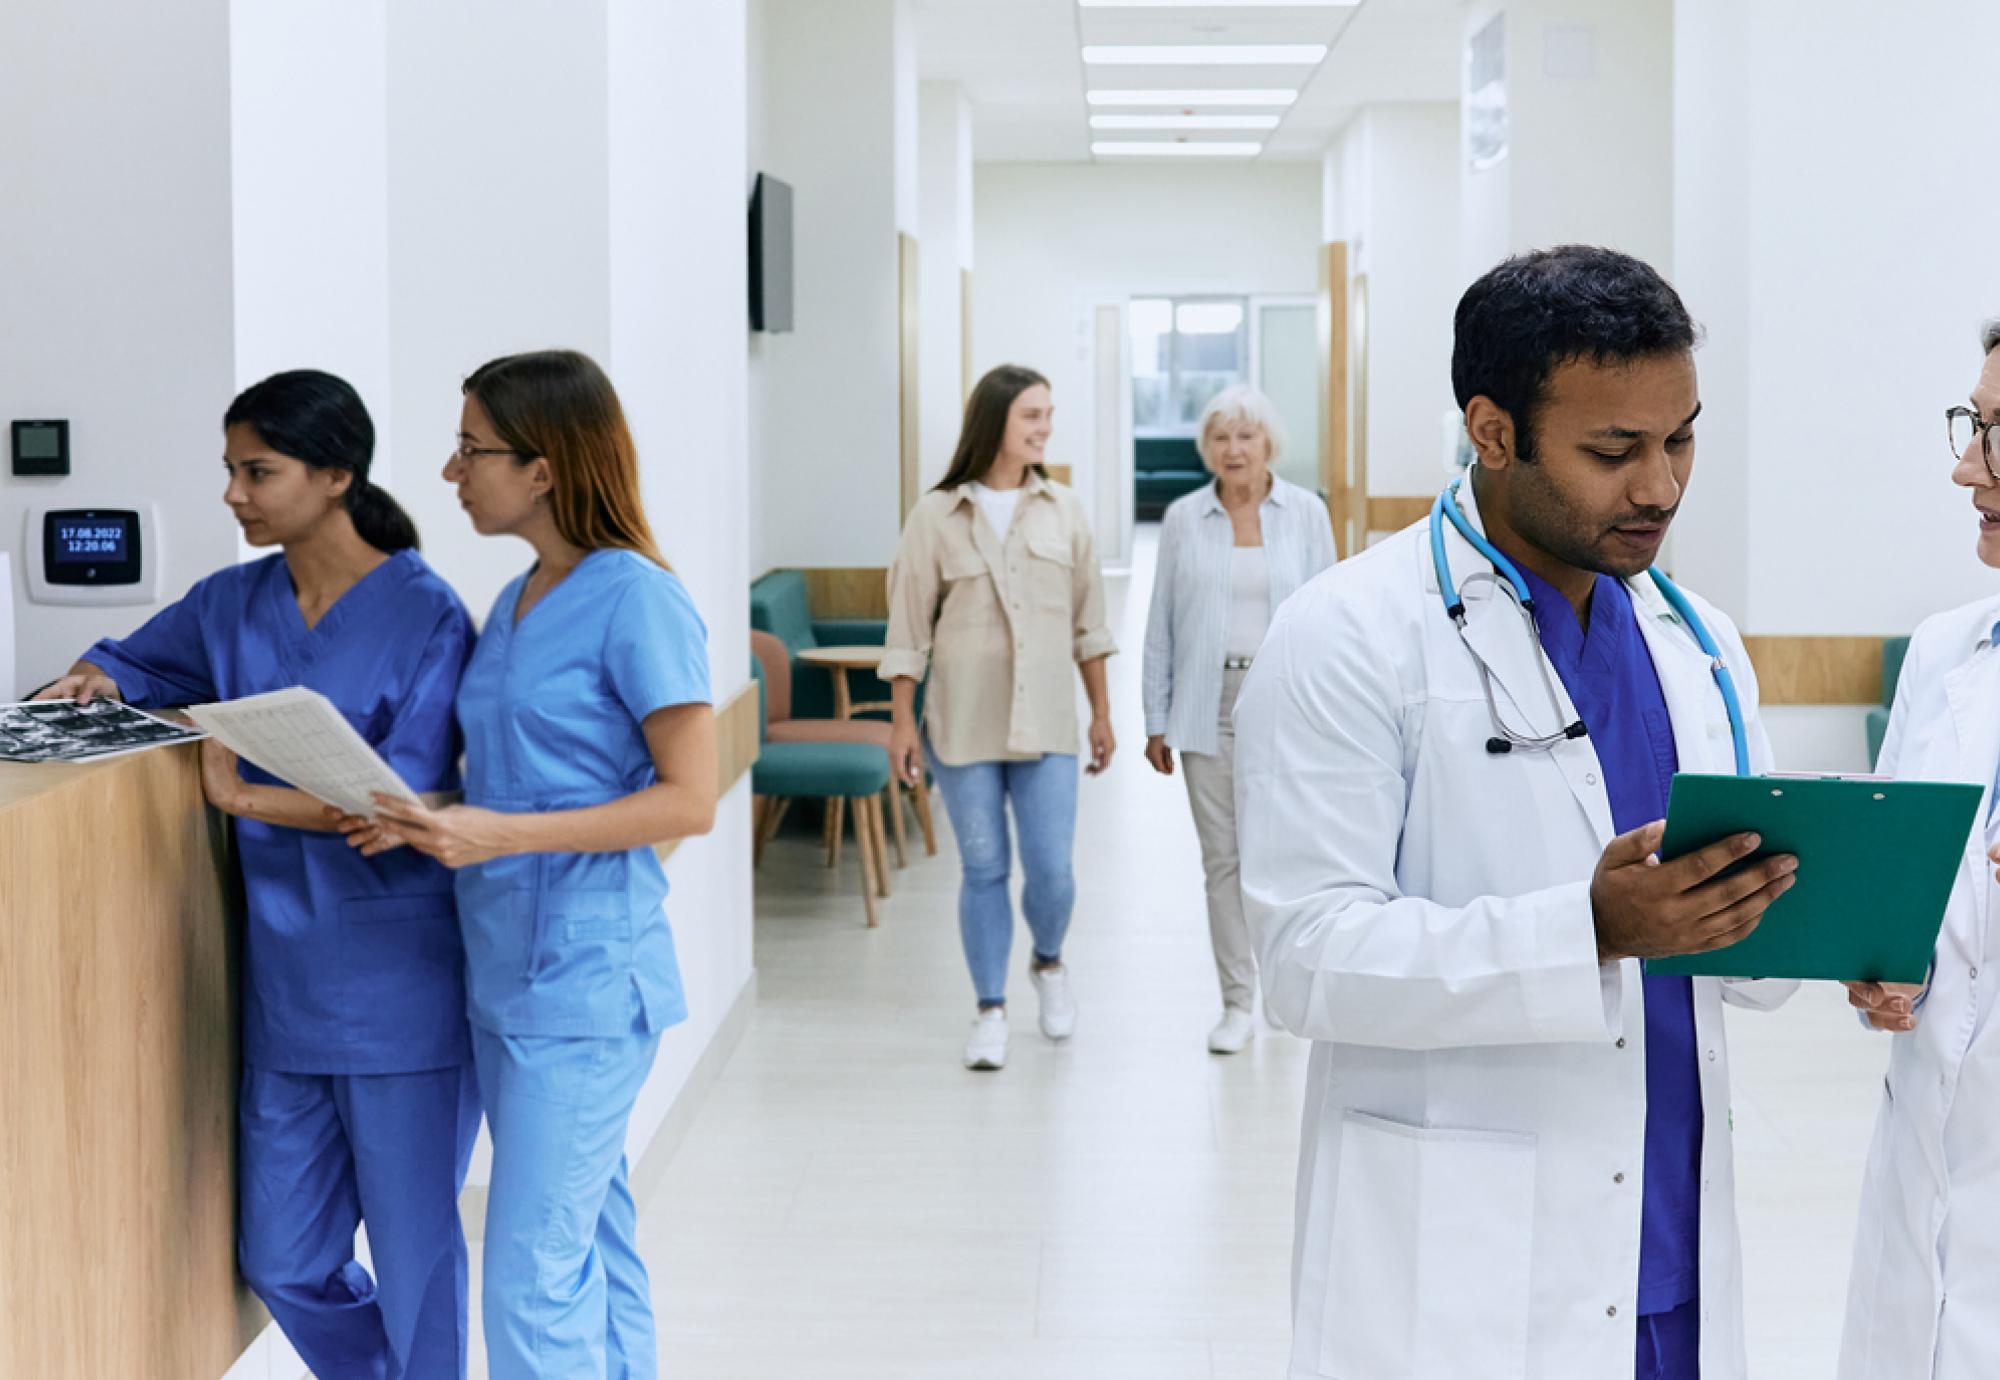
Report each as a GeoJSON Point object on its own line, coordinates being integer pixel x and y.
{"type": "Point", "coordinates": [1333, 460]}
{"type": "Point", "coordinates": [736, 744]}
{"type": "Point", "coordinates": [118, 1068]}
{"type": "Point", "coordinates": [909, 349]}
{"type": "Point", "coordinates": [849, 592]}
{"type": "Point", "coordinates": [1394, 513]}
{"type": "Point", "coordinates": [1817, 670]}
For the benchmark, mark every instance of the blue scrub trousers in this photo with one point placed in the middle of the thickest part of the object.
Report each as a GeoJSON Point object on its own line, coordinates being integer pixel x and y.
{"type": "Point", "coordinates": [323, 1153]}
{"type": "Point", "coordinates": [1670, 1344]}
{"type": "Point", "coordinates": [565, 1294]}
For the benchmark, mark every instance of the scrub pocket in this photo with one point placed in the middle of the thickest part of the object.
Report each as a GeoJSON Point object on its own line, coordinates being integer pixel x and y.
{"type": "Point", "coordinates": [1433, 1232]}
{"type": "Point", "coordinates": [399, 956]}
{"type": "Point", "coordinates": [588, 929]}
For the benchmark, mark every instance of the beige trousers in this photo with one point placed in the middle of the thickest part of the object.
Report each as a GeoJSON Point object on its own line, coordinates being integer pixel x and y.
{"type": "Point", "coordinates": [1211, 788]}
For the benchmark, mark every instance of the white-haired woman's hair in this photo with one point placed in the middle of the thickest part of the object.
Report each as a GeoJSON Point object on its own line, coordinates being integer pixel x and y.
{"type": "Point", "coordinates": [1241, 403]}
{"type": "Point", "coordinates": [1989, 338]}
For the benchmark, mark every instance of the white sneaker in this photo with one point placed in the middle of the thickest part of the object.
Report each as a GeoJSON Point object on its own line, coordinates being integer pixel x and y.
{"type": "Point", "coordinates": [1233, 1032]}
{"type": "Point", "coordinates": [1058, 1002]}
{"type": "Point", "coordinates": [986, 1047]}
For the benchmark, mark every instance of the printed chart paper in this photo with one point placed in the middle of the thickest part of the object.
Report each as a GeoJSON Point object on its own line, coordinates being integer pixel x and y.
{"type": "Point", "coordinates": [300, 738]}
{"type": "Point", "coordinates": [64, 731]}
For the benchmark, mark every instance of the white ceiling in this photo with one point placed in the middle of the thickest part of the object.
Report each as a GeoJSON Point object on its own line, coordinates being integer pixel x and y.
{"type": "Point", "coordinates": [1021, 65]}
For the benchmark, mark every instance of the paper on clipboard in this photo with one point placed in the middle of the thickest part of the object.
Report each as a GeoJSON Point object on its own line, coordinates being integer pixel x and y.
{"type": "Point", "coordinates": [299, 737]}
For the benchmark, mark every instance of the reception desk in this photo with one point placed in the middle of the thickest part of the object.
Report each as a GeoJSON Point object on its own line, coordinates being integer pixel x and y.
{"type": "Point", "coordinates": [118, 930]}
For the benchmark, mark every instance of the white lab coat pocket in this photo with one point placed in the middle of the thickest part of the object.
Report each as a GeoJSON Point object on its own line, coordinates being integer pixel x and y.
{"type": "Point", "coordinates": [1432, 1234]}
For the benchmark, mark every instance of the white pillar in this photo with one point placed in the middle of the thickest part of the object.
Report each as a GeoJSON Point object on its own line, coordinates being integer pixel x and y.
{"type": "Point", "coordinates": [1589, 156]}
{"type": "Point", "coordinates": [945, 231]}
{"type": "Point", "coordinates": [1840, 252]}
{"type": "Point", "coordinates": [839, 86]}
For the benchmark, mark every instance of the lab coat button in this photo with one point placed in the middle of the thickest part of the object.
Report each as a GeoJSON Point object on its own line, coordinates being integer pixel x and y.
{"type": "Point", "coordinates": [1621, 1042]}
{"type": "Point", "coordinates": [1711, 1056]}
{"type": "Point", "coordinates": [1590, 778]}
{"type": "Point", "coordinates": [1612, 1311]}
{"type": "Point", "coordinates": [1617, 1178]}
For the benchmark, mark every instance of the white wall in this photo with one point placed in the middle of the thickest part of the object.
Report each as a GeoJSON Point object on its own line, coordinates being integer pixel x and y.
{"type": "Point", "coordinates": [678, 353]}
{"type": "Point", "coordinates": [1392, 188]}
{"type": "Point", "coordinates": [1054, 236]}
{"type": "Point", "coordinates": [946, 239]}
{"type": "Point", "coordinates": [1591, 155]}
{"type": "Point", "coordinates": [499, 240]}
{"type": "Point", "coordinates": [838, 92]}
{"type": "Point", "coordinates": [309, 156]}
{"type": "Point", "coordinates": [115, 257]}
{"type": "Point", "coordinates": [1841, 251]}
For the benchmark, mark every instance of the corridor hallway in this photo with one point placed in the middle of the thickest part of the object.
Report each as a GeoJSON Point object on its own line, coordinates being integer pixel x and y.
{"type": "Point", "coordinates": [851, 1204]}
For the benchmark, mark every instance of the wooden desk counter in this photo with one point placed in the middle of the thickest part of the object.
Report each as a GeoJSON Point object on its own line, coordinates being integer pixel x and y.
{"type": "Point", "coordinates": [118, 1072]}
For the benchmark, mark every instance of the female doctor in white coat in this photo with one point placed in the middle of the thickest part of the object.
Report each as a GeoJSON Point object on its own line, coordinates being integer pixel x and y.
{"type": "Point", "coordinates": [1924, 1296]}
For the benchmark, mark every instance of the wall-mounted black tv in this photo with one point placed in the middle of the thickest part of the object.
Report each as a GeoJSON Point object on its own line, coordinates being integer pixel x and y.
{"type": "Point", "coordinates": [770, 255]}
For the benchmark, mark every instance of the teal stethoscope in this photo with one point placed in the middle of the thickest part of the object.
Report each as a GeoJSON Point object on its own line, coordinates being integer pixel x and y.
{"type": "Point", "coordinates": [1505, 739]}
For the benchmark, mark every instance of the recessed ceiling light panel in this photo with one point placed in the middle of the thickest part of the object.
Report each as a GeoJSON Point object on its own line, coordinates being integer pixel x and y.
{"type": "Point", "coordinates": [1261, 95]}
{"type": "Point", "coordinates": [1204, 54]}
{"type": "Point", "coordinates": [1184, 121]}
{"type": "Point", "coordinates": [1218, 148]}
{"type": "Point", "coordinates": [1217, 4]}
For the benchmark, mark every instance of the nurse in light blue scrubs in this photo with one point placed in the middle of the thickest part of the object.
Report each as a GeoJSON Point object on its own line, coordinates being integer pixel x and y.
{"type": "Point", "coordinates": [358, 1098]}
{"type": "Point", "coordinates": [590, 741]}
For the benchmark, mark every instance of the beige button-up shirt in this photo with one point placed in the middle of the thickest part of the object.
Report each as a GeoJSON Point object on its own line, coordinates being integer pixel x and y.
{"type": "Point", "coordinates": [998, 623]}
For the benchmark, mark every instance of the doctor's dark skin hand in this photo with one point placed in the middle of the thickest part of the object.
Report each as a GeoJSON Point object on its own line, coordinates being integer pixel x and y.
{"type": "Point", "coordinates": [1645, 908]}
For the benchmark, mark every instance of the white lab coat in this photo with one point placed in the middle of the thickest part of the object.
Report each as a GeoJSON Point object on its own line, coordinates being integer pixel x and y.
{"type": "Point", "coordinates": [1470, 1180]}
{"type": "Point", "coordinates": [1945, 727]}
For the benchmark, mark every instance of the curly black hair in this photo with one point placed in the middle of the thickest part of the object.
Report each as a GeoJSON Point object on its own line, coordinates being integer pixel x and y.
{"type": "Point", "coordinates": [1543, 309]}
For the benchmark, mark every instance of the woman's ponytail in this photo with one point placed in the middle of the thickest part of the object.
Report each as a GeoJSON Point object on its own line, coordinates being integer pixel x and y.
{"type": "Point", "coordinates": [379, 519]}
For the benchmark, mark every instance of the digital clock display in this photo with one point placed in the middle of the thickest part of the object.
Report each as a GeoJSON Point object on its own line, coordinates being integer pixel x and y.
{"type": "Point", "coordinates": [92, 541]}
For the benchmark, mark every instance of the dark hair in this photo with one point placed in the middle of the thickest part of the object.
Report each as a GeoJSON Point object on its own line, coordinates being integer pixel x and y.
{"type": "Point", "coordinates": [1540, 310]}
{"type": "Point", "coordinates": [985, 425]}
{"type": "Point", "coordinates": [319, 420]}
{"type": "Point", "coordinates": [557, 404]}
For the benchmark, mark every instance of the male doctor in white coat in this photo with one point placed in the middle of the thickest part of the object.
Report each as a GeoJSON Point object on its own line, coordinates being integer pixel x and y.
{"type": "Point", "coordinates": [1924, 1296]}
{"type": "Point", "coordinates": [1516, 1155]}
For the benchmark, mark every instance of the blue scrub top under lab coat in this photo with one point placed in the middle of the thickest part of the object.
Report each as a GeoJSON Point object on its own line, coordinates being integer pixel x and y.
{"type": "Point", "coordinates": [1610, 677]}
{"type": "Point", "coordinates": [352, 965]}
{"type": "Point", "coordinates": [574, 944]}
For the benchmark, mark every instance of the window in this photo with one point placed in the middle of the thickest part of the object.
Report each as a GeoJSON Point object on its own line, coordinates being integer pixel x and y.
{"type": "Point", "coordinates": [1185, 350]}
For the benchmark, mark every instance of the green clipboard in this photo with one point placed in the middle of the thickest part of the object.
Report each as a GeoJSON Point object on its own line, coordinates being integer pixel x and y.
{"type": "Point", "coordinates": [1877, 859]}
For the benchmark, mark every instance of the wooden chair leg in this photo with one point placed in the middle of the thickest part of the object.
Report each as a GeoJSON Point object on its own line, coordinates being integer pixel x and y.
{"type": "Point", "coordinates": [867, 852]}
{"type": "Point", "coordinates": [771, 814]}
{"type": "Point", "coordinates": [878, 836]}
{"type": "Point", "coordinates": [777, 816]}
{"type": "Point", "coordinates": [760, 809]}
{"type": "Point", "coordinates": [894, 798]}
{"type": "Point", "coordinates": [839, 821]}
{"type": "Point", "coordinates": [922, 792]}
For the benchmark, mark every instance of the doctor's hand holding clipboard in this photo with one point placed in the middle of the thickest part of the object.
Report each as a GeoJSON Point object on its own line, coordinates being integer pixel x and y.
{"type": "Point", "coordinates": [1646, 908]}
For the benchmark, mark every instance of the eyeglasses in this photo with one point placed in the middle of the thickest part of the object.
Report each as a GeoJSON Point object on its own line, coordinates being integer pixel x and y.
{"type": "Point", "coordinates": [1966, 425]}
{"type": "Point", "coordinates": [465, 450]}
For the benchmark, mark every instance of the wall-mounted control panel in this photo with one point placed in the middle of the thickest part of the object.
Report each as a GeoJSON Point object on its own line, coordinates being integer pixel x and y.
{"type": "Point", "coordinates": [41, 449]}
{"type": "Point", "coordinates": [92, 555]}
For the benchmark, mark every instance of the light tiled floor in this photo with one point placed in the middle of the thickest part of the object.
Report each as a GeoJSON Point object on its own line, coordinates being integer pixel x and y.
{"type": "Point", "coordinates": [852, 1203]}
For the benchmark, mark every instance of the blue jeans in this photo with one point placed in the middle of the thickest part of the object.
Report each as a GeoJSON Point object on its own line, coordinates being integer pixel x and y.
{"type": "Point", "coordinates": [1044, 795]}
{"type": "Point", "coordinates": [566, 1293]}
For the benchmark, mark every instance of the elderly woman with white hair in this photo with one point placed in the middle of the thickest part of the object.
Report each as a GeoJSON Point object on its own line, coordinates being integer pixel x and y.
{"type": "Point", "coordinates": [1230, 553]}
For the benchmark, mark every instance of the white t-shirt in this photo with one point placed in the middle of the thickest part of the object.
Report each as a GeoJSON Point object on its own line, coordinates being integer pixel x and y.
{"type": "Point", "coordinates": [1249, 601]}
{"type": "Point", "coordinates": [998, 505]}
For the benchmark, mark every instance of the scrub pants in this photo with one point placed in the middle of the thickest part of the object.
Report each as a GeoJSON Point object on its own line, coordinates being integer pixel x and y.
{"type": "Point", "coordinates": [1670, 1344]}
{"type": "Point", "coordinates": [565, 1294]}
{"type": "Point", "coordinates": [323, 1153]}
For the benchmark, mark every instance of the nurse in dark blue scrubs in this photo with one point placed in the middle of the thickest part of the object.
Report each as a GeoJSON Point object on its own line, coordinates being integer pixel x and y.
{"type": "Point", "coordinates": [358, 1100]}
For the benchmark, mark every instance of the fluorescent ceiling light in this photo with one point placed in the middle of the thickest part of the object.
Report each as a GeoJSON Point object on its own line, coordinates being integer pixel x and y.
{"type": "Point", "coordinates": [1257, 95]}
{"type": "Point", "coordinates": [1216, 4]}
{"type": "Point", "coordinates": [1160, 149]}
{"type": "Point", "coordinates": [1184, 121]}
{"type": "Point", "coordinates": [1204, 54]}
